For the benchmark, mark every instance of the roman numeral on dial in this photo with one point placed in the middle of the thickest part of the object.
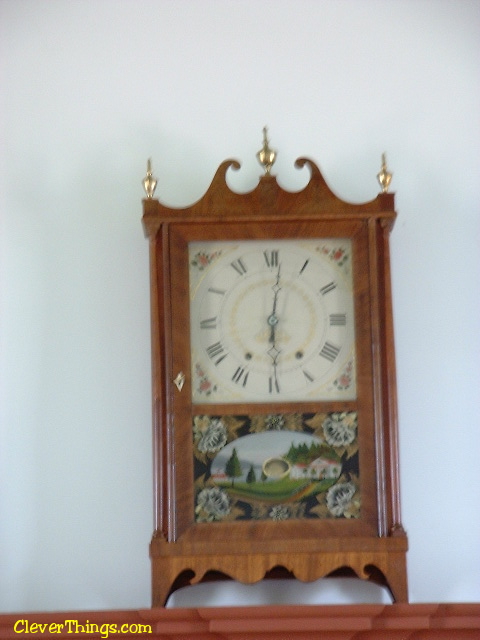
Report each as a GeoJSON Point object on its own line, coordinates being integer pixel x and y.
{"type": "Point", "coordinates": [327, 288]}
{"type": "Point", "coordinates": [241, 376]}
{"type": "Point", "coordinates": [304, 266]}
{"type": "Point", "coordinates": [208, 323]}
{"type": "Point", "coordinates": [271, 258]}
{"type": "Point", "coordinates": [239, 267]}
{"type": "Point", "coordinates": [218, 292]}
{"type": "Point", "coordinates": [308, 376]}
{"type": "Point", "coordinates": [329, 351]}
{"type": "Point", "coordinates": [273, 386]}
{"type": "Point", "coordinates": [338, 319]}
{"type": "Point", "coordinates": [216, 352]}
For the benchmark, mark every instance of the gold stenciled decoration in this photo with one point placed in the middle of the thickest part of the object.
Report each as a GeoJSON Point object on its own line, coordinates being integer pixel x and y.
{"type": "Point", "coordinates": [384, 177]}
{"type": "Point", "coordinates": [149, 182]}
{"type": "Point", "coordinates": [266, 156]}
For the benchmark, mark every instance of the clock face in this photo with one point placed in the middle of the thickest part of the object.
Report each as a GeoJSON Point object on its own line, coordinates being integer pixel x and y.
{"type": "Point", "coordinates": [272, 321]}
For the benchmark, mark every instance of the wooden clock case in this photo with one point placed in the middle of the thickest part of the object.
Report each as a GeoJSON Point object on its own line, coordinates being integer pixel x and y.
{"type": "Point", "coordinates": [372, 547]}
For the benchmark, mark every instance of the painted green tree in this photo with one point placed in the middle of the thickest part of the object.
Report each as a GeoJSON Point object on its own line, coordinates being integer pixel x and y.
{"type": "Point", "coordinates": [233, 468]}
{"type": "Point", "coordinates": [251, 477]}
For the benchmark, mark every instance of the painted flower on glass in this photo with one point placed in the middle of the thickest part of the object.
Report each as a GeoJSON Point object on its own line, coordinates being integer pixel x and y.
{"type": "Point", "coordinates": [279, 512]}
{"type": "Point", "coordinates": [214, 503]}
{"type": "Point", "coordinates": [274, 422]}
{"type": "Point", "coordinates": [213, 437]}
{"type": "Point", "coordinates": [340, 429]}
{"type": "Point", "coordinates": [339, 498]}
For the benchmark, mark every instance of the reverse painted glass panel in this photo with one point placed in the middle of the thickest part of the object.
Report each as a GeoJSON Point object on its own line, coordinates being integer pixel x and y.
{"type": "Point", "coordinates": [276, 467]}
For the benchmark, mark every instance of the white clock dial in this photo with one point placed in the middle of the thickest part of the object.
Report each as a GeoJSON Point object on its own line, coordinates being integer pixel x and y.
{"type": "Point", "coordinates": [271, 321]}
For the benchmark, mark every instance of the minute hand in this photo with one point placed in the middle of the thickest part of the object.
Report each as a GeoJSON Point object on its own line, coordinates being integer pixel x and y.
{"type": "Point", "coordinates": [273, 318]}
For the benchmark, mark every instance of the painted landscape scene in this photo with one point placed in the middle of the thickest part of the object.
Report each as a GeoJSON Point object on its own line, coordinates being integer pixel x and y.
{"type": "Point", "coordinates": [276, 466]}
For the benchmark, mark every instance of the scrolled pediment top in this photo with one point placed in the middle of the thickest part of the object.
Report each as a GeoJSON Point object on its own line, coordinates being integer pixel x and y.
{"type": "Point", "coordinates": [267, 199]}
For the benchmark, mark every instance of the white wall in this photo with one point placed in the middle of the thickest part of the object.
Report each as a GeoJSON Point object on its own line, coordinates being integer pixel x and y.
{"type": "Point", "coordinates": [89, 90]}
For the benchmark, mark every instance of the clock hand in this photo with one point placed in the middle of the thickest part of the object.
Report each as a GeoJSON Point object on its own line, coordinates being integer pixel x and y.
{"type": "Point", "coordinates": [272, 321]}
{"type": "Point", "coordinates": [273, 318]}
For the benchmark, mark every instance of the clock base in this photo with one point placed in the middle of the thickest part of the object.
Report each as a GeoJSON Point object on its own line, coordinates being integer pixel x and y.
{"type": "Point", "coordinates": [379, 560]}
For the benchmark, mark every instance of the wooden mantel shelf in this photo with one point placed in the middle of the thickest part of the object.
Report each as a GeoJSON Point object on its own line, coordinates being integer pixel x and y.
{"type": "Point", "coordinates": [292, 622]}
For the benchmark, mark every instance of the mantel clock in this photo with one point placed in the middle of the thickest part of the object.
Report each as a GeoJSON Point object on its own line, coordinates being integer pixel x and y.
{"type": "Point", "coordinates": [274, 402]}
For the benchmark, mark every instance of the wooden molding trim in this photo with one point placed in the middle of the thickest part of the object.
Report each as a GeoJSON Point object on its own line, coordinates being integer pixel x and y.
{"type": "Point", "coordinates": [292, 622]}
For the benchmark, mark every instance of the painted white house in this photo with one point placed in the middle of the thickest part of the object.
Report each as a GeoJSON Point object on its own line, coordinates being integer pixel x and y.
{"type": "Point", "coordinates": [318, 469]}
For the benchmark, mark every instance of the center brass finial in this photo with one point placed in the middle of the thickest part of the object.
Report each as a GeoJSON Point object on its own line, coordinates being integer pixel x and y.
{"type": "Point", "coordinates": [266, 156]}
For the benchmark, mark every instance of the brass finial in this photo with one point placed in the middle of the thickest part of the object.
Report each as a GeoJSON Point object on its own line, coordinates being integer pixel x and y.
{"type": "Point", "coordinates": [149, 182]}
{"type": "Point", "coordinates": [384, 177]}
{"type": "Point", "coordinates": [266, 156]}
